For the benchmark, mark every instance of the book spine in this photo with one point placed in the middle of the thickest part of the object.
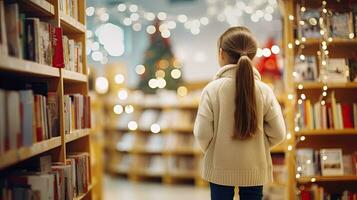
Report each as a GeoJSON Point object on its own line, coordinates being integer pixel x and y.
{"type": "Point", "coordinates": [57, 46]}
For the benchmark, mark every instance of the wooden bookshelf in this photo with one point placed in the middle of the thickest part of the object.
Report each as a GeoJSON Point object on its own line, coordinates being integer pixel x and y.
{"type": "Point", "coordinates": [313, 179]}
{"type": "Point", "coordinates": [327, 132]}
{"type": "Point", "coordinates": [75, 135]}
{"type": "Point", "coordinates": [19, 66]}
{"type": "Point", "coordinates": [15, 156]}
{"type": "Point", "coordinates": [70, 76]}
{"type": "Point", "coordinates": [338, 48]}
{"type": "Point", "coordinates": [59, 81]}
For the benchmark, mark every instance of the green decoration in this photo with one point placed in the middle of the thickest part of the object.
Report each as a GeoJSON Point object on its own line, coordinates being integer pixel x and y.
{"type": "Point", "coordinates": [159, 60]}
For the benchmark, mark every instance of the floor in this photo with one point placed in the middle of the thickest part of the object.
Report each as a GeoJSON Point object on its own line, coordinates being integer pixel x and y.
{"type": "Point", "coordinates": [121, 189]}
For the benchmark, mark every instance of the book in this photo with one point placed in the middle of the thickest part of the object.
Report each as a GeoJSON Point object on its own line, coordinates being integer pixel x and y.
{"type": "Point", "coordinates": [57, 47]}
{"type": "Point", "coordinates": [12, 30]}
{"type": "Point", "coordinates": [3, 40]}
{"type": "Point", "coordinates": [27, 113]}
{"type": "Point", "coordinates": [347, 115]}
{"type": "Point", "coordinates": [348, 168]}
{"type": "Point", "coordinates": [340, 24]}
{"type": "Point", "coordinates": [82, 171]}
{"type": "Point", "coordinates": [14, 135]}
{"type": "Point", "coordinates": [352, 70]}
{"type": "Point", "coordinates": [310, 27]}
{"type": "Point", "coordinates": [354, 157]}
{"type": "Point", "coordinates": [53, 113]}
{"type": "Point", "coordinates": [331, 162]}
{"type": "Point", "coordinates": [45, 44]}
{"type": "Point", "coordinates": [306, 70]}
{"type": "Point", "coordinates": [2, 120]}
{"type": "Point", "coordinates": [305, 159]}
{"type": "Point", "coordinates": [335, 70]}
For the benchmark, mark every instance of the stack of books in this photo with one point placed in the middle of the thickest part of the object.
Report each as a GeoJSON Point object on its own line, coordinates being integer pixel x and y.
{"type": "Point", "coordinates": [69, 7]}
{"type": "Point", "coordinates": [27, 118]}
{"type": "Point", "coordinates": [49, 181]}
{"type": "Point", "coordinates": [76, 112]}
{"type": "Point", "coordinates": [72, 52]}
{"type": "Point", "coordinates": [332, 115]}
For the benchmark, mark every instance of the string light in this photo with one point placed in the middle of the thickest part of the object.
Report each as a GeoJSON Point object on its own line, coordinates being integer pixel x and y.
{"type": "Point", "coordinates": [155, 128]}
{"type": "Point", "coordinates": [132, 125]}
{"type": "Point", "coordinates": [119, 78]}
{"type": "Point", "coordinates": [129, 109]}
{"type": "Point", "coordinates": [118, 109]}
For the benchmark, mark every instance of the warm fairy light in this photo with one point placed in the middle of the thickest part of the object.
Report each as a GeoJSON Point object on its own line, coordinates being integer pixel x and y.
{"type": "Point", "coordinates": [302, 138]}
{"type": "Point", "coordinates": [300, 101]}
{"type": "Point", "coordinates": [176, 73]}
{"type": "Point", "coordinates": [132, 125]}
{"type": "Point", "coordinates": [121, 7]}
{"type": "Point", "coordinates": [290, 46]}
{"type": "Point", "coordinates": [323, 102]}
{"type": "Point", "coordinates": [299, 168]}
{"type": "Point", "coordinates": [302, 57]}
{"type": "Point", "coordinates": [291, 17]}
{"type": "Point", "coordinates": [133, 8]}
{"type": "Point", "coordinates": [275, 49]}
{"type": "Point", "coordinates": [351, 35]}
{"type": "Point", "coordinates": [324, 87]}
{"type": "Point", "coordinates": [297, 42]}
{"type": "Point", "coordinates": [324, 157]}
{"type": "Point", "coordinates": [308, 161]}
{"type": "Point", "coordinates": [290, 96]}
{"type": "Point", "coordinates": [162, 16]}
{"type": "Point", "coordinates": [140, 69]}
{"type": "Point", "coordinates": [119, 78]}
{"type": "Point", "coordinates": [182, 91]}
{"type": "Point", "coordinates": [330, 39]}
{"type": "Point", "coordinates": [290, 148]}
{"type": "Point", "coordinates": [302, 23]}
{"type": "Point", "coordinates": [300, 86]}
{"type": "Point", "coordinates": [129, 109]}
{"type": "Point", "coordinates": [302, 9]}
{"type": "Point", "coordinates": [313, 179]}
{"type": "Point", "coordinates": [161, 83]}
{"type": "Point", "coordinates": [288, 136]}
{"type": "Point", "coordinates": [303, 39]}
{"type": "Point", "coordinates": [324, 93]}
{"type": "Point", "coordinates": [101, 85]}
{"type": "Point", "coordinates": [150, 29]}
{"type": "Point", "coordinates": [322, 32]}
{"type": "Point", "coordinates": [297, 175]}
{"type": "Point", "coordinates": [160, 73]}
{"type": "Point", "coordinates": [323, 62]}
{"type": "Point", "coordinates": [118, 109]}
{"type": "Point", "coordinates": [155, 128]}
{"type": "Point", "coordinates": [297, 129]}
{"type": "Point", "coordinates": [303, 96]}
{"type": "Point", "coordinates": [324, 10]}
{"type": "Point", "coordinates": [123, 94]}
{"type": "Point", "coordinates": [153, 83]}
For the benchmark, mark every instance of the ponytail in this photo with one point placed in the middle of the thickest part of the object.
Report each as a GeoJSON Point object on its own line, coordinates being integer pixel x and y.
{"type": "Point", "coordinates": [240, 47]}
{"type": "Point", "coordinates": [245, 112]}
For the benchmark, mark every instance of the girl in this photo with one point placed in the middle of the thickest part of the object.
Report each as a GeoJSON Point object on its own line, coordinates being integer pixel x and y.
{"type": "Point", "coordinates": [238, 121]}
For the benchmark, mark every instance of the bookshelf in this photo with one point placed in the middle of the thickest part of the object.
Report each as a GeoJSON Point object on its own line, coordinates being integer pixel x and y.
{"type": "Point", "coordinates": [61, 82]}
{"type": "Point", "coordinates": [315, 138]}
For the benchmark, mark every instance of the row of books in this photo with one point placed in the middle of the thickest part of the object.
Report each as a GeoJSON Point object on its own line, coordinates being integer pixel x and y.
{"type": "Point", "coordinates": [51, 180]}
{"type": "Point", "coordinates": [156, 142]}
{"type": "Point", "coordinates": [69, 7]}
{"type": "Point", "coordinates": [77, 112]}
{"type": "Point", "coordinates": [165, 119]}
{"type": "Point", "coordinates": [158, 164]}
{"type": "Point", "coordinates": [336, 70]}
{"type": "Point", "coordinates": [332, 115]}
{"type": "Point", "coordinates": [339, 24]}
{"type": "Point", "coordinates": [316, 192]}
{"type": "Point", "coordinates": [30, 38]}
{"type": "Point", "coordinates": [325, 162]}
{"type": "Point", "coordinates": [72, 52]}
{"type": "Point", "coordinates": [27, 118]}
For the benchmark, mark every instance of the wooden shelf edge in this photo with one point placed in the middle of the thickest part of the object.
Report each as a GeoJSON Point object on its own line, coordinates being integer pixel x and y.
{"type": "Point", "coordinates": [326, 132]}
{"type": "Point", "coordinates": [73, 76]}
{"type": "Point", "coordinates": [42, 5]}
{"type": "Point", "coordinates": [74, 135]}
{"type": "Point", "coordinates": [319, 85]}
{"type": "Point", "coordinates": [72, 23]}
{"type": "Point", "coordinates": [23, 153]}
{"type": "Point", "coordinates": [326, 179]}
{"type": "Point", "coordinates": [82, 196]}
{"type": "Point", "coordinates": [18, 65]}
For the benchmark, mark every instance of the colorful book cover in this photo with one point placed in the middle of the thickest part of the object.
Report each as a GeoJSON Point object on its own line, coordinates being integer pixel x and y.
{"type": "Point", "coordinates": [57, 46]}
{"type": "Point", "coordinates": [335, 70]}
{"type": "Point", "coordinates": [331, 162]}
{"type": "Point", "coordinates": [306, 70]}
{"type": "Point", "coordinates": [30, 40]}
{"type": "Point", "coordinates": [340, 24]}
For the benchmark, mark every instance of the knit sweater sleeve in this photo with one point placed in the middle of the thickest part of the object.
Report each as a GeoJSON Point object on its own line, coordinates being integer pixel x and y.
{"type": "Point", "coordinates": [203, 129]}
{"type": "Point", "coordinates": [274, 125]}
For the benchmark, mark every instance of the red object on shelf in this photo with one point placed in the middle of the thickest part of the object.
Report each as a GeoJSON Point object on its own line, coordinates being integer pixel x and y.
{"type": "Point", "coordinates": [347, 115]}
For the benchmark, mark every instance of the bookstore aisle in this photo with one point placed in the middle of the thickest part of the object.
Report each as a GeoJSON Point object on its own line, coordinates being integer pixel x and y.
{"type": "Point", "coordinates": [98, 98]}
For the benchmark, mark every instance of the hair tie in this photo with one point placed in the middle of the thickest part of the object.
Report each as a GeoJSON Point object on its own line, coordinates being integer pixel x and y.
{"type": "Point", "coordinates": [243, 54]}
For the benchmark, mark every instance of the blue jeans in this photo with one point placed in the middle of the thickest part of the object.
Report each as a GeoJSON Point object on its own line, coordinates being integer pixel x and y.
{"type": "Point", "coordinates": [222, 192]}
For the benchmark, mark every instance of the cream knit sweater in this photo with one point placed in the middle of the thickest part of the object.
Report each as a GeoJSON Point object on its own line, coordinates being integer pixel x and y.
{"type": "Point", "coordinates": [237, 162]}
